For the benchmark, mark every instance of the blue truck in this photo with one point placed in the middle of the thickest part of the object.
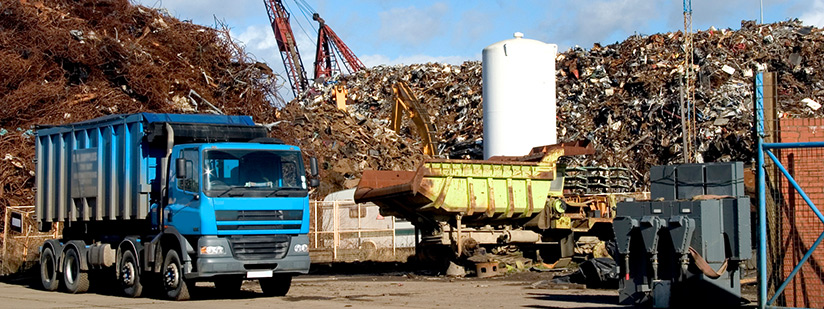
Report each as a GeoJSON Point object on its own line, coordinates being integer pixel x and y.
{"type": "Point", "coordinates": [171, 199]}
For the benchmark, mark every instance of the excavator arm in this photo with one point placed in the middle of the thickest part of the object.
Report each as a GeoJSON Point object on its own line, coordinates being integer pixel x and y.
{"type": "Point", "coordinates": [405, 101]}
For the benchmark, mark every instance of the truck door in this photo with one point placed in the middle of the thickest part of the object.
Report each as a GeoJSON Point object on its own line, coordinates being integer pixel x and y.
{"type": "Point", "coordinates": [183, 211]}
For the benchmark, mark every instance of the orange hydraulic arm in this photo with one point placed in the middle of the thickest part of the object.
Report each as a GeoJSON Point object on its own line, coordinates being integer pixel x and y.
{"type": "Point", "coordinates": [405, 100]}
{"type": "Point", "coordinates": [279, 19]}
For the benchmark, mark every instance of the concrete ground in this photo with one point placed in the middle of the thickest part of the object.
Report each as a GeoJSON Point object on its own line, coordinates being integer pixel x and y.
{"type": "Point", "coordinates": [335, 291]}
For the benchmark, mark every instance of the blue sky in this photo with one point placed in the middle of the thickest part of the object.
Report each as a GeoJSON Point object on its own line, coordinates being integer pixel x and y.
{"type": "Point", "coordinates": [404, 32]}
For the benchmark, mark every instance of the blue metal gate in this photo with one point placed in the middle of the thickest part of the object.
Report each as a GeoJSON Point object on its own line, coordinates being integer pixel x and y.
{"type": "Point", "coordinates": [790, 182]}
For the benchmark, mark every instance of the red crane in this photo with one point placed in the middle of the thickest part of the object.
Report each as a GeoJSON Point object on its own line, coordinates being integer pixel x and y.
{"type": "Point", "coordinates": [279, 19]}
{"type": "Point", "coordinates": [330, 49]}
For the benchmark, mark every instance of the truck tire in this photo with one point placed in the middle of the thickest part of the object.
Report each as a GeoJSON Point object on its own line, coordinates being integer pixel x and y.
{"type": "Point", "coordinates": [75, 279]}
{"type": "Point", "coordinates": [174, 284]}
{"type": "Point", "coordinates": [129, 275]}
{"type": "Point", "coordinates": [276, 286]}
{"type": "Point", "coordinates": [48, 270]}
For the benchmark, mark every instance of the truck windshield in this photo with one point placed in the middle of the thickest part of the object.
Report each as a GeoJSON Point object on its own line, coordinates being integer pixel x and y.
{"type": "Point", "coordinates": [253, 173]}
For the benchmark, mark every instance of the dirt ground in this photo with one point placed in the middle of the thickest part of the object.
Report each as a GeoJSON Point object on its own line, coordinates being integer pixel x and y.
{"type": "Point", "coordinates": [328, 288]}
{"type": "Point", "coordinates": [357, 285]}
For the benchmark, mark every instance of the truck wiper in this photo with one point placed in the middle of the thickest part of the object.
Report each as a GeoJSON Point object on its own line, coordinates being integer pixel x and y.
{"type": "Point", "coordinates": [228, 190]}
{"type": "Point", "coordinates": [284, 191]}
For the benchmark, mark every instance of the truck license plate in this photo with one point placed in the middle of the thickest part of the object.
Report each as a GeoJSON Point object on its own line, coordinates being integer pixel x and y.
{"type": "Point", "coordinates": [259, 274]}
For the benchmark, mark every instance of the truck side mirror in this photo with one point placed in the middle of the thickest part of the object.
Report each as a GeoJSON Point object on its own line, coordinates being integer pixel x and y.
{"type": "Point", "coordinates": [313, 166]}
{"type": "Point", "coordinates": [180, 168]}
{"type": "Point", "coordinates": [313, 170]}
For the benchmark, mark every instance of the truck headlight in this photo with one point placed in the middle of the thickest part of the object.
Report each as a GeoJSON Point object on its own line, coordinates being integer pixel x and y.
{"type": "Point", "coordinates": [212, 250]}
{"type": "Point", "coordinates": [301, 248]}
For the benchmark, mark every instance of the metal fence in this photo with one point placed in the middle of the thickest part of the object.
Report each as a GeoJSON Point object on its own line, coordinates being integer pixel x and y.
{"type": "Point", "coordinates": [19, 236]}
{"type": "Point", "coordinates": [351, 231]}
{"type": "Point", "coordinates": [791, 193]}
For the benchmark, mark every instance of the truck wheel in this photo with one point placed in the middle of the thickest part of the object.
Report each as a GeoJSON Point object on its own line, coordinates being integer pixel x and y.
{"type": "Point", "coordinates": [129, 276]}
{"type": "Point", "coordinates": [173, 282]}
{"type": "Point", "coordinates": [228, 286]}
{"type": "Point", "coordinates": [75, 279]}
{"type": "Point", "coordinates": [276, 286]}
{"type": "Point", "coordinates": [48, 270]}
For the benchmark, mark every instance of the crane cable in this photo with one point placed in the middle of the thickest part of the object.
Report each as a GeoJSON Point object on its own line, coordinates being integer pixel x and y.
{"type": "Point", "coordinates": [301, 25]}
{"type": "Point", "coordinates": [305, 6]}
{"type": "Point", "coordinates": [307, 10]}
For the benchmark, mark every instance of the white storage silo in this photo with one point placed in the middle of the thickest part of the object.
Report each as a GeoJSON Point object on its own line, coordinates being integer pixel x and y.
{"type": "Point", "coordinates": [518, 96]}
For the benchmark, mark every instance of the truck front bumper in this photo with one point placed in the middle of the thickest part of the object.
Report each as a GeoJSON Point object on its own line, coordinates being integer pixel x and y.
{"type": "Point", "coordinates": [295, 261]}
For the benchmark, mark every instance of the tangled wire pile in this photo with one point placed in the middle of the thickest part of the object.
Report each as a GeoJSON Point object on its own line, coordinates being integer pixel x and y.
{"type": "Point", "coordinates": [66, 61]}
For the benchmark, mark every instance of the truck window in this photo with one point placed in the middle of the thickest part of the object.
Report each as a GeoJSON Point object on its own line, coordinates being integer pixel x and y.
{"type": "Point", "coordinates": [242, 171]}
{"type": "Point", "coordinates": [289, 171]}
{"type": "Point", "coordinates": [190, 183]}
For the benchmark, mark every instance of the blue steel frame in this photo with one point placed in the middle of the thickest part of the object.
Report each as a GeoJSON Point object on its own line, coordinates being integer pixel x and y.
{"type": "Point", "coordinates": [765, 148]}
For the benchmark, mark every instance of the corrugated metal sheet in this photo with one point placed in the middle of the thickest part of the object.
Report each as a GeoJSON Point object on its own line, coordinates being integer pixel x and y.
{"type": "Point", "coordinates": [102, 169]}
{"type": "Point", "coordinates": [94, 170]}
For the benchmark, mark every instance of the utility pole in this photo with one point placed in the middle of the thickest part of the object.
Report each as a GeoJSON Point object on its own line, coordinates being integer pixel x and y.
{"type": "Point", "coordinates": [688, 94]}
{"type": "Point", "coordinates": [761, 10]}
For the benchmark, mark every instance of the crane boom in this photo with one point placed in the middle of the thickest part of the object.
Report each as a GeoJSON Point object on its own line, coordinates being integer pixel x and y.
{"type": "Point", "coordinates": [329, 46]}
{"type": "Point", "coordinates": [279, 19]}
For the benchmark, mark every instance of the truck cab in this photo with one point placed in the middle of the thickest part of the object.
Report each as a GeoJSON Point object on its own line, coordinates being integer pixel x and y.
{"type": "Point", "coordinates": [246, 203]}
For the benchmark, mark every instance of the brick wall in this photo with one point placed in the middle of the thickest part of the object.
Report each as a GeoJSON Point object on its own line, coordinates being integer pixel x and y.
{"type": "Point", "coordinates": [800, 227]}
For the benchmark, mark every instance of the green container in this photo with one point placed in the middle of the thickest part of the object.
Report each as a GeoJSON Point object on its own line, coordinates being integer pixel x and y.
{"type": "Point", "coordinates": [472, 188]}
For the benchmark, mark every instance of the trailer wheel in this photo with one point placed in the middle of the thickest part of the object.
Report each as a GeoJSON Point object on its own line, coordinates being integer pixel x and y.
{"type": "Point", "coordinates": [173, 282]}
{"type": "Point", "coordinates": [276, 286]}
{"type": "Point", "coordinates": [75, 279]}
{"type": "Point", "coordinates": [129, 276]}
{"type": "Point", "coordinates": [48, 270]}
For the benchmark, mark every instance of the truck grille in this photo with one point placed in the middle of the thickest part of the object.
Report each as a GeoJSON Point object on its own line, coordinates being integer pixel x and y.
{"type": "Point", "coordinates": [258, 227]}
{"type": "Point", "coordinates": [258, 215]}
{"type": "Point", "coordinates": [249, 220]}
{"type": "Point", "coordinates": [259, 247]}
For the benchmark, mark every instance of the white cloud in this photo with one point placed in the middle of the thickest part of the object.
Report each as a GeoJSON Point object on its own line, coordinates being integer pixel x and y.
{"type": "Point", "coordinates": [815, 15]}
{"type": "Point", "coordinates": [587, 22]}
{"type": "Point", "coordinates": [412, 25]}
{"type": "Point", "coordinates": [203, 11]}
{"type": "Point", "coordinates": [257, 38]}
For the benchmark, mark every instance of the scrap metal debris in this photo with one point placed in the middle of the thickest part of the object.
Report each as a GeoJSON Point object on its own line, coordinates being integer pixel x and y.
{"type": "Point", "coordinates": [624, 97]}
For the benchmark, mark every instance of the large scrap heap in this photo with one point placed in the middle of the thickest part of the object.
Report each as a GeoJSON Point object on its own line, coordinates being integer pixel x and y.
{"type": "Point", "coordinates": [65, 61]}
{"type": "Point", "coordinates": [624, 97]}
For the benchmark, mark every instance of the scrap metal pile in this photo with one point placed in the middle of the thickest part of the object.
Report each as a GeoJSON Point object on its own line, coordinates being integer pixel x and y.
{"type": "Point", "coordinates": [347, 142]}
{"type": "Point", "coordinates": [67, 61]}
{"type": "Point", "coordinates": [624, 97]}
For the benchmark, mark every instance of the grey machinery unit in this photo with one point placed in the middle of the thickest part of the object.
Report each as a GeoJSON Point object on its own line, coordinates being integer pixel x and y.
{"type": "Point", "coordinates": [685, 245]}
